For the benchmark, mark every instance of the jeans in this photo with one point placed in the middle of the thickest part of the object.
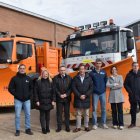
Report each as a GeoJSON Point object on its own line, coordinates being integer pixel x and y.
{"type": "Point", "coordinates": [117, 113]}
{"type": "Point", "coordinates": [60, 106]}
{"type": "Point", "coordinates": [79, 117]}
{"type": "Point", "coordinates": [96, 98]}
{"type": "Point", "coordinates": [27, 108]}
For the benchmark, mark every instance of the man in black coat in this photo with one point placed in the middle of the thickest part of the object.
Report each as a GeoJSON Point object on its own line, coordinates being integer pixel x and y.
{"type": "Point", "coordinates": [21, 88]}
{"type": "Point", "coordinates": [62, 84]}
{"type": "Point", "coordinates": [82, 87]}
{"type": "Point", "coordinates": [132, 86]}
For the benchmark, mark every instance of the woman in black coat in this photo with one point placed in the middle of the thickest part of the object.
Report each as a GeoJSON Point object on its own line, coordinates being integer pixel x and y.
{"type": "Point", "coordinates": [44, 99]}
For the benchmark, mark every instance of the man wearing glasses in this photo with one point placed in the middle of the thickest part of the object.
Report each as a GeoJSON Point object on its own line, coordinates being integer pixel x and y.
{"type": "Point", "coordinates": [99, 78]}
{"type": "Point", "coordinates": [132, 86]}
{"type": "Point", "coordinates": [21, 88]}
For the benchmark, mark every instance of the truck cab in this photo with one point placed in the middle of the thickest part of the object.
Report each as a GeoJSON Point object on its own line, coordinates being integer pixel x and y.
{"type": "Point", "coordinates": [108, 42]}
{"type": "Point", "coordinates": [20, 50]}
{"type": "Point", "coordinates": [14, 51]}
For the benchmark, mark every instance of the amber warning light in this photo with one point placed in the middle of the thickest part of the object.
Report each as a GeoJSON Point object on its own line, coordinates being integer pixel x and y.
{"type": "Point", "coordinates": [87, 32]}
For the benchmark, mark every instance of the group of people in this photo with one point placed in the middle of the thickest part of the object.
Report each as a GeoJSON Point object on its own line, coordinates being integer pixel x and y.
{"type": "Point", "coordinates": [47, 92]}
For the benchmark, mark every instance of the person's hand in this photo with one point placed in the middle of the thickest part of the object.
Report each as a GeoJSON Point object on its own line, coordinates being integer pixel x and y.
{"type": "Point", "coordinates": [65, 95]}
{"type": "Point", "coordinates": [62, 96]}
{"type": "Point", "coordinates": [37, 103]}
{"type": "Point", "coordinates": [53, 103]}
{"type": "Point", "coordinates": [116, 84]}
{"type": "Point", "coordinates": [82, 97]}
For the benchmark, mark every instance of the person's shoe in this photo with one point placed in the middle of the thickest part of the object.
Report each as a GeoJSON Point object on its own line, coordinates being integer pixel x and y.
{"type": "Point", "coordinates": [131, 126]}
{"type": "Point", "coordinates": [121, 127]}
{"type": "Point", "coordinates": [44, 131]}
{"type": "Point", "coordinates": [17, 133]}
{"type": "Point", "coordinates": [87, 129]}
{"type": "Point", "coordinates": [29, 132]}
{"type": "Point", "coordinates": [115, 126]}
{"type": "Point", "coordinates": [67, 129]}
{"type": "Point", "coordinates": [94, 127]}
{"type": "Point", "coordinates": [58, 129]}
{"type": "Point", "coordinates": [104, 126]}
{"type": "Point", "coordinates": [76, 130]}
{"type": "Point", "coordinates": [48, 130]}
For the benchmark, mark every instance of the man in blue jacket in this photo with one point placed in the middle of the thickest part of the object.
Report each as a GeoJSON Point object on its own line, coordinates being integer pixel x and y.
{"type": "Point", "coordinates": [99, 78]}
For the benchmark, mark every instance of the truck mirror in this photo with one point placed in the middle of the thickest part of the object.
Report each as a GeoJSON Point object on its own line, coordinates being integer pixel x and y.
{"type": "Point", "coordinates": [9, 61]}
{"type": "Point", "coordinates": [63, 52]}
{"type": "Point", "coordinates": [129, 34]}
{"type": "Point", "coordinates": [130, 44]}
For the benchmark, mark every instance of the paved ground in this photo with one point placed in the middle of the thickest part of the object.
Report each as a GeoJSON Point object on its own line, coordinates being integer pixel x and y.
{"type": "Point", "coordinates": [113, 134]}
{"type": "Point", "coordinates": [7, 129]}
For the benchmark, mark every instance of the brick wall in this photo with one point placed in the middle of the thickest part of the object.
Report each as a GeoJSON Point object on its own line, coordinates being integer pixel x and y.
{"type": "Point", "coordinates": [30, 26]}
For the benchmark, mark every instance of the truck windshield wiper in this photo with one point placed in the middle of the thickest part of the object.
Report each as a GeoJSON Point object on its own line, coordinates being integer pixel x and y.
{"type": "Point", "coordinates": [75, 55]}
{"type": "Point", "coordinates": [98, 52]}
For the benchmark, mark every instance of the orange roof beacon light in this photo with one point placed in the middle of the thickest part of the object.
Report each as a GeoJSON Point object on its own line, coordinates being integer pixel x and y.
{"type": "Point", "coordinates": [111, 22]}
{"type": "Point", "coordinates": [4, 34]}
{"type": "Point", "coordinates": [81, 27]}
{"type": "Point", "coordinates": [76, 29]}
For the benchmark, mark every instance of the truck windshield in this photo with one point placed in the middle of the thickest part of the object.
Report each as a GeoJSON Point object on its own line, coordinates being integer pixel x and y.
{"type": "Point", "coordinates": [98, 44]}
{"type": "Point", "coordinates": [5, 50]}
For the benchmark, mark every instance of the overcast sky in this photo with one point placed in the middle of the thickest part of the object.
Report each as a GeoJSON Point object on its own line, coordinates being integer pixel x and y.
{"type": "Point", "coordinates": [81, 12]}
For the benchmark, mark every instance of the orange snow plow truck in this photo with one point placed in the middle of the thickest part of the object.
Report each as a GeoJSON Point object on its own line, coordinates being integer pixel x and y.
{"type": "Point", "coordinates": [20, 50]}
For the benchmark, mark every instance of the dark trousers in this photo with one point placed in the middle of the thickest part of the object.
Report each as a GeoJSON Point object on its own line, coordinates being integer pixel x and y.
{"type": "Point", "coordinates": [139, 105]}
{"type": "Point", "coordinates": [133, 111]}
{"type": "Point", "coordinates": [117, 113]}
{"type": "Point", "coordinates": [45, 119]}
{"type": "Point", "coordinates": [60, 107]}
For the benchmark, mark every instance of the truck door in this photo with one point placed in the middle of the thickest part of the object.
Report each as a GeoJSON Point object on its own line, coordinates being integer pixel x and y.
{"type": "Point", "coordinates": [26, 55]}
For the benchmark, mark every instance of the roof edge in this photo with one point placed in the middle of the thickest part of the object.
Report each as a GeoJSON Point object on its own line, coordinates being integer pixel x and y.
{"type": "Point", "coordinates": [131, 23]}
{"type": "Point", "coordinates": [2, 4]}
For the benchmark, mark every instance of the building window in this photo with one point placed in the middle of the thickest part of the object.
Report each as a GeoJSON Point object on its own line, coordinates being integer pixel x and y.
{"type": "Point", "coordinates": [50, 43]}
{"type": "Point", "coordinates": [135, 30]}
{"type": "Point", "coordinates": [59, 45]}
{"type": "Point", "coordinates": [139, 29]}
{"type": "Point", "coordinates": [40, 42]}
{"type": "Point", "coordinates": [24, 51]}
